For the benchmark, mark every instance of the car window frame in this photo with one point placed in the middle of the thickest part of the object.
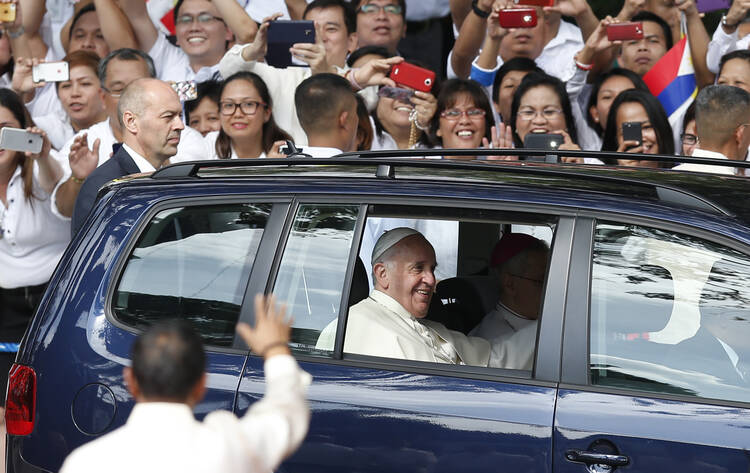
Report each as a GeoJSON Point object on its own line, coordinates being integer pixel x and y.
{"type": "Point", "coordinates": [549, 339]}
{"type": "Point", "coordinates": [278, 216]}
{"type": "Point", "coordinates": [576, 348]}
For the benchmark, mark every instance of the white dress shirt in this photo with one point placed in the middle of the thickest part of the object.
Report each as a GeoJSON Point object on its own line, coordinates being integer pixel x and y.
{"type": "Point", "coordinates": [33, 236]}
{"type": "Point", "coordinates": [321, 151]}
{"type": "Point", "coordinates": [210, 143]}
{"type": "Point", "coordinates": [172, 64]}
{"type": "Point", "coordinates": [380, 326]}
{"type": "Point", "coordinates": [58, 128]}
{"type": "Point", "coordinates": [702, 153]}
{"type": "Point", "coordinates": [165, 437]}
{"type": "Point", "coordinates": [721, 44]}
{"type": "Point", "coordinates": [139, 160]}
{"type": "Point", "coordinates": [513, 338]}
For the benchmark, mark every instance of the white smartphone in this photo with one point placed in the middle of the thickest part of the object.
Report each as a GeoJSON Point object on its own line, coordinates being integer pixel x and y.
{"type": "Point", "coordinates": [50, 72]}
{"type": "Point", "coordinates": [17, 139]}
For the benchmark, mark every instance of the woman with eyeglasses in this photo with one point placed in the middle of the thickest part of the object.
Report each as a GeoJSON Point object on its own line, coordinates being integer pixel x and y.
{"type": "Point", "coordinates": [248, 129]}
{"type": "Point", "coordinates": [635, 105]}
{"type": "Point", "coordinates": [689, 137]}
{"type": "Point", "coordinates": [392, 121]}
{"type": "Point", "coordinates": [463, 119]}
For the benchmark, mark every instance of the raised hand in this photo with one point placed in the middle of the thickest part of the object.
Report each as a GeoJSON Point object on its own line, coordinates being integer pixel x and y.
{"type": "Point", "coordinates": [256, 50]}
{"type": "Point", "coordinates": [426, 105]}
{"type": "Point", "coordinates": [270, 336]}
{"type": "Point", "coordinates": [82, 160]}
{"type": "Point", "coordinates": [313, 54]}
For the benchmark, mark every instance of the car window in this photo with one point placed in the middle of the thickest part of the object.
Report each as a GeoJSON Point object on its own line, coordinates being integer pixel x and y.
{"type": "Point", "coordinates": [311, 276]}
{"type": "Point", "coordinates": [192, 263]}
{"type": "Point", "coordinates": [670, 313]}
{"type": "Point", "coordinates": [465, 320]}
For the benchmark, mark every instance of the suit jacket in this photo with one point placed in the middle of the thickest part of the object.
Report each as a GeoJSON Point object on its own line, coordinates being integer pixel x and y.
{"type": "Point", "coordinates": [120, 164]}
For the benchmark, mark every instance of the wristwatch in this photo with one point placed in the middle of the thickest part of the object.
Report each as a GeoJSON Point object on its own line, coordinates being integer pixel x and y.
{"type": "Point", "coordinates": [724, 22]}
{"type": "Point", "coordinates": [478, 11]}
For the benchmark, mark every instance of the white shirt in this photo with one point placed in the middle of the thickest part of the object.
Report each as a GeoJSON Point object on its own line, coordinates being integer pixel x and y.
{"type": "Point", "coordinates": [139, 160]}
{"type": "Point", "coordinates": [33, 236]}
{"type": "Point", "coordinates": [556, 56]}
{"type": "Point", "coordinates": [513, 338]}
{"type": "Point", "coordinates": [320, 151]}
{"type": "Point", "coordinates": [721, 44]}
{"type": "Point", "coordinates": [420, 10]}
{"type": "Point", "coordinates": [58, 128]}
{"type": "Point", "coordinates": [165, 437]}
{"type": "Point", "coordinates": [380, 326]}
{"type": "Point", "coordinates": [702, 153]}
{"type": "Point", "coordinates": [172, 64]}
{"type": "Point", "coordinates": [259, 9]}
{"type": "Point", "coordinates": [210, 143]}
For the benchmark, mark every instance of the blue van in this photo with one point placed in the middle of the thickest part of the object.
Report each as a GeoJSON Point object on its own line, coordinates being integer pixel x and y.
{"type": "Point", "coordinates": [641, 349]}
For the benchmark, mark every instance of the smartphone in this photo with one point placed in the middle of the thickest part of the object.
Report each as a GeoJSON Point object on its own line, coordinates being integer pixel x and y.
{"type": "Point", "coordinates": [7, 12]}
{"type": "Point", "coordinates": [282, 34]}
{"type": "Point", "coordinates": [536, 3]}
{"type": "Point", "coordinates": [548, 141]}
{"type": "Point", "coordinates": [625, 31]}
{"type": "Point", "coordinates": [409, 75]}
{"type": "Point", "coordinates": [186, 90]}
{"type": "Point", "coordinates": [50, 72]}
{"type": "Point", "coordinates": [631, 131]}
{"type": "Point", "coordinates": [17, 139]}
{"type": "Point", "coordinates": [396, 93]}
{"type": "Point", "coordinates": [518, 18]}
{"type": "Point", "coordinates": [712, 5]}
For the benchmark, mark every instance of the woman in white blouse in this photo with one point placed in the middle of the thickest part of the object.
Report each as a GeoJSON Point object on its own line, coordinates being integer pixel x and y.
{"type": "Point", "coordinates": [32, 237]}
{"type": "Point", "coordinates": [248, 129]}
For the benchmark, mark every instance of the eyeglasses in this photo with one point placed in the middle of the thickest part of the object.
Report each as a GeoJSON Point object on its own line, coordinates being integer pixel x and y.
{"type": "Point", "coordinates": [248, 108]}
{"type": "Point", "coordinates": [113, 93]}
{"type": "Point", "coordinates": [455, 114]}
{"type": "Point", "coordinates": [548, 113]}
{"type": "Point", "coordinates": [203, 19]}
{"type": "Point", "coordinates": [689, 139]}
{"type": "Point", "coordinates": [371, 8]}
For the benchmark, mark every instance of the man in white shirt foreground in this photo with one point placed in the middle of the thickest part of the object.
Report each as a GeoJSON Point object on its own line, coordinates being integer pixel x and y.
{"type": "Point", "coordinates": [391, 322]}
{"type": "Point", "coordinates": [722, 117]}
{"type": "Point", "coordinates": [149, 113]}
{"type": "Point", "coordinates": [519, 264]}
{"type": "Point", "coordinates": [167, 379]}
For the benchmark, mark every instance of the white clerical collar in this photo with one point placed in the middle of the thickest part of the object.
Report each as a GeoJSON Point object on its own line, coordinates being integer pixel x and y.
{"type": "Point", "coordinates": [140, 161]}
{"type": "Point", "coordinates": [514, 319]}
{"type": "Point", "coordinates": [704, 153]}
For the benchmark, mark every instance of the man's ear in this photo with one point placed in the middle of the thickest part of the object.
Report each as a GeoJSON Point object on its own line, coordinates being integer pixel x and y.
{"type": "Point", "coordinates": [131, 382]}
{"type": "Point", "coordinates": [198, 391]}
{"type": "Point", "coordinates": [351, 43]}
{"type": "Point", "coordinates": [130, 121]}
{"type": "Point", "coordinates": [380, 272]}
{"type": "Point", "coordinates": [343, 119]}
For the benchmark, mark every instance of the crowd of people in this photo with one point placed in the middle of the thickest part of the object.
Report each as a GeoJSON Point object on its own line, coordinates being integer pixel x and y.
{"type": "Point", "coordinates": [493, 87]}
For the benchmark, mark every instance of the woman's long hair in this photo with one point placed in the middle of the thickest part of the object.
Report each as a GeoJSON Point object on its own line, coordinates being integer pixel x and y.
{"type": "Point", "coordinates": [13, 102]}
{"type": "Point", "coordinates": [271, 131]}
{"type": "Point", "coordinates": [656, 115]}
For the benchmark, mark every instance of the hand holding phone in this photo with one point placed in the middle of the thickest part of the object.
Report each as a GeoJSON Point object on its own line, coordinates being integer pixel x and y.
{"type": "Point", "coordinates": [50, 72]}
{"type": "Point", "coordinates": [415, 77]}
{"type": "Point", "coordinates": [547, 141]}
{"type": "Point", "coordinates": [518, 18]}
{"type": "Point", "coordinates": [282, 34]}
{"type": "Point", "coordinates": [625, 31]}
{"type": "Point", "coordinates": [17, 139]}
{"type": "Point", "coordinates": [631, 131]}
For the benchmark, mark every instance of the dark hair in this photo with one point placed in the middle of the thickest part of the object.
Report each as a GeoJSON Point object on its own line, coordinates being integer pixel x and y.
{"type": "Point", "coordinates": [719, 110]}
{"type": "Point", "coordinates": [319, 99]}
{"type": "Point", "coordinates": [401, 3]}
{"type": "Point", "coordinates": [210, 90]}
{"type": "Point", "coordinates": [364, 51]}
{"type": "Point", "coordinates": [168, 360]}
{"type": "Point", "coordinates": [13, 102]}
{"type": "Point", "coordinates": [689, 116]}
{"type": "Point", "coordinates": [648, 16]}
{"type": "Point", "coordinates": [523, 64]}
{"type": "Point", "coordinates": [347, 11]}
{"type": "Point", "coordinates": [597, 85]}
{"type": "Point", "coordinates": [532, 81]}
{"type": "Point", "coordinates": [656, 115]}
{"type": "Point", "coordinates": [364, 128]}
{"type": "Point", "coordinates": [125, 54]}
{"type": "Point", "coordinates": [738, 54]}
{"type": "Point", "coordinates": [271, 131]}
{"type": "Point", "coordinates": [446, 98]}
{"type": "Point", "coordinates": [81, 58]}
{"type": "Point", "coordinates": [85, 9]}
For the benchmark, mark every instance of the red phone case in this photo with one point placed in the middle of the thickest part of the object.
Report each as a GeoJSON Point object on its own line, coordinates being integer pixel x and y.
{"type": "Point", "coordinates": [518, 18]}
{"type": "Point", "coordinates": [537, 3]}
{"type": "Point", "coordinates": [409, 75]}
{"type": "Point", "coordinates": [625, 31]}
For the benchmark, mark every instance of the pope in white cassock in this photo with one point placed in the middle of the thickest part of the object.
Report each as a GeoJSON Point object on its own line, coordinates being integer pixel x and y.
{"type": "Point", "coordinates": [390, 322]}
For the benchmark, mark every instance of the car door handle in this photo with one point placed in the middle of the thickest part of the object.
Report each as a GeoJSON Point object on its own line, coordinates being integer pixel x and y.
{"type": "Point", "coordinates": [580, 456]}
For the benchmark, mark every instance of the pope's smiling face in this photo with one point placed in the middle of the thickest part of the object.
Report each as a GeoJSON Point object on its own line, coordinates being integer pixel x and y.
{"type": "Point", "coordinates": [409, 274]}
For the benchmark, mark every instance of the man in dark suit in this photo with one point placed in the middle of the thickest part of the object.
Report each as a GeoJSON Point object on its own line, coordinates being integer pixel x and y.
{"type": "Point", "coordinates": [149, 112]}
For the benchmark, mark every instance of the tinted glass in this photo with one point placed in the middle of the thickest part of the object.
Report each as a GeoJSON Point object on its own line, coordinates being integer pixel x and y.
{"type": "Point", "coordinates": [313, 268]}
{"type": "Point", "coordinates": [192, 263]}
{"type": "Point", "coordinates": [669, 313]}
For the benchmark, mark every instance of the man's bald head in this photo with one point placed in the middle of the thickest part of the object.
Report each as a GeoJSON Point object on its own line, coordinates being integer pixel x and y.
{"type": "Point", "coordinates": [138, 94]}
{"type": "Point", "coordinates": [719, 110]}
